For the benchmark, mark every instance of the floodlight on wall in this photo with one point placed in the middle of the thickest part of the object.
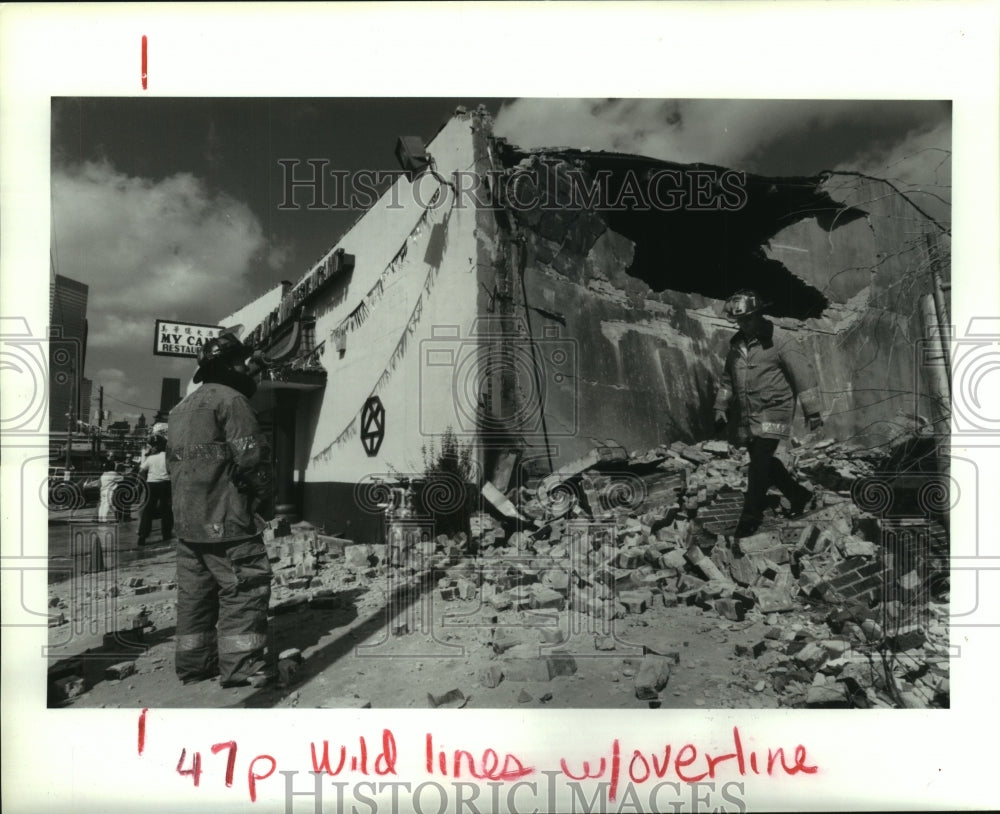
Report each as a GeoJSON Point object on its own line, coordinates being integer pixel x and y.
{"type": "Point", "coordinates": [412, 155]}
{"type": "Point", "coordinates": [342, 262]}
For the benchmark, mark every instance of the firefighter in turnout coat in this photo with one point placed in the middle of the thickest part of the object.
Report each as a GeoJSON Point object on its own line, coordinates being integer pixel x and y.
{"type": "Point", "coordinates": [219, 463]}
{"type": "Point", "coordinates": [765, 371]}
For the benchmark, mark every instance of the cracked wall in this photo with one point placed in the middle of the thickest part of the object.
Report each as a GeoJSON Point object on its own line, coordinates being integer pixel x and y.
{"type": "Point", "coordinates": [843, 259]}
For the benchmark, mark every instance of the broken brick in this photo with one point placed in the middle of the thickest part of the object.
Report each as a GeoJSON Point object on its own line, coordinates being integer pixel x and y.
{"type": "Point", "coordinates": [635, 601]}
{"type": "Point", "coordinates": [755, 651]}
{"type": "Point", "coordinates": [742, 571]}
{"type": "Point", "coordinates": [689, 582]}
{"type": "Point", "coordinates": [466, 588]}
{"type": "Point", "coordinates": [907, 638]}
{"type": "Point", "coordinates": [629, 558]}
{"type": "Point", "coordinates": [499, 601]}
{"type": "Point", "coordinates": [503, 640]}
{"type": "Point", "coordinates": [758, 543]}
{"type": "Point", "coordinates": [855, 547]}
{"type": "Point", "coordinates": [69, 687]}
{"type": "Point", "coordinates": [674, 559]}
{"type": "Point", "coordinates": [909, 584]}
{"type": "Point", "coordinates": [773, 600]}
{"type": "Point", "coordinates": [561, 665]}
{"type": "Point", "coordinates": [543, 598]}
{"type": "Point", "coordinates": [557, 580]}
{"type": "Point", "coordinates": [729, 609]}
{"type": "Point", "coordinates": [704, 564]}
{"type": "Point", "coordinates": [526, 670]}
{"type": "Point", "coordinates": [653, 674]}
{"type": "Point", "coordinates": [827, 695]}
{"type": "Point", "coordinates": [358, 556]}
{"type": "Point", "coordinates": [669, 600]}
{"type": "Point", "coordinates": [491, 676]}
{"type": "Point", "coordinates": [811, 656]}
{"type": "Point", "coordinates": [117, 672]}
{"type": "Point", "coordinates": [809, 538]}
{"type": "Point", "coordinates": [453, 699]}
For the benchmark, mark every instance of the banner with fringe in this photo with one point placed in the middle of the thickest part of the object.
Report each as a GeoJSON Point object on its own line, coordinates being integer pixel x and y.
{"type": "Point", "coordinates": [361, 313]}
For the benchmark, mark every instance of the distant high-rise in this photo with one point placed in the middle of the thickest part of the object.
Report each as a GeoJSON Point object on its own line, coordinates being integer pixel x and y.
{"type": "Point", "coordinates": [67, 349]}
{"type": "Point", "coordinates": [170, 396]}
{"type": "Point", "coordinates": [86, 396]}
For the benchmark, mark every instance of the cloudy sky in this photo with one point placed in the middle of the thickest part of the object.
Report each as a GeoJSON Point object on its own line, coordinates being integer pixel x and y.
{"type": "Point", "coordinates": [169, 208]}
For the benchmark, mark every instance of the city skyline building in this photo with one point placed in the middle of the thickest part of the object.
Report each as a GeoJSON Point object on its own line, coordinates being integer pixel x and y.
{"type": "Point", "coordinates": [67, 350]}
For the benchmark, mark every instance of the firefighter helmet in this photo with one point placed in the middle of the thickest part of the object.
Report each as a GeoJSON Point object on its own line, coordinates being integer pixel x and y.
{"type": "Point", "coordinates": [220, 349]}
{"type": "Point", "coordinates": [742, 304]}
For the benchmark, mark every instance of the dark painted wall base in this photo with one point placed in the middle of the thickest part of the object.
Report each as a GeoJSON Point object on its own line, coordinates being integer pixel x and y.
{"type": "Point", "coordinates": [333, 506]}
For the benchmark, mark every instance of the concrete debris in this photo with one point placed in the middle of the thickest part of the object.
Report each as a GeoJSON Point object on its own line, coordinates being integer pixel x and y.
{"type": "Point", "coordinates": [117, 672]}
{"type": "Point", "coordinates": [491, 676]}
{"type": "Point", "coordinates": [836, 613]}
{"type": "Point", "coordinates": [453, 699]}
{"type": "Point", "coordinates": [653, 674]}
{"type": "Point", "coordinates": [500, 502]}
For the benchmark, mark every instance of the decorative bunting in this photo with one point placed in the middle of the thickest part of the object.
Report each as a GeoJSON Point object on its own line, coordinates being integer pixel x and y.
{"type": "Point", "coordinates": [360, 314]}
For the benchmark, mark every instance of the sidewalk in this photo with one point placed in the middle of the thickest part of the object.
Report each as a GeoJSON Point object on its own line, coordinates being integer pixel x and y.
{"type": "Point", "coordinates": [118, 540]}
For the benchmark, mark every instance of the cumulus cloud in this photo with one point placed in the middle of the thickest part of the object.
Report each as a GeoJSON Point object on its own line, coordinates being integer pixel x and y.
{"type": "Point", "coordinates": [169, 248]}
{"type": "Point", "coordinates": [148, 249]}
{"type": "Point", "coordinates": [747, 134]}
{"type": "Point", "coordinates": [908, 142]}
{"type": "Point", "coordinates": [919, 165]}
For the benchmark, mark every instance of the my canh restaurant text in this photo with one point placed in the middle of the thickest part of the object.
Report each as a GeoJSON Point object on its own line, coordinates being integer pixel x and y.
{"type": "Point", "coordinates": [181, 338]}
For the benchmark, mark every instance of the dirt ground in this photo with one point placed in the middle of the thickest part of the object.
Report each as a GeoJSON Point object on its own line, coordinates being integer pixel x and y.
{"type": "Point", "coordinates": [353, 655]}
{"type": "Point", "coordinates": [818, 611]}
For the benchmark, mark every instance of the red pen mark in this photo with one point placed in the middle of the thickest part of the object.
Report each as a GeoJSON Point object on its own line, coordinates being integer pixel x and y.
{"type": "Point", "coordinates": [253, 777]}
{"type": "Point", "coordinates": [142, 730]}
{"type": "Point", "coordinates": [144, 74]}
{"type": "Point", "coordinates": [195, 771]}
{"type": "Point", "coordinates": [231, 762]}
{"type": "Point", "coordinates": [641, 767]}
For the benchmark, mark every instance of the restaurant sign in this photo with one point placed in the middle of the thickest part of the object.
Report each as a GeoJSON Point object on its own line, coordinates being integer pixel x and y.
{"type": "Point", "coordinates": [182, 338]}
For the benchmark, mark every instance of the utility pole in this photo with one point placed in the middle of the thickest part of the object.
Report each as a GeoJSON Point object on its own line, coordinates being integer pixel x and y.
{"type": "Point", "coordinates": [100, 416]}
{"type": "Point", "coordinates": [69, 419]}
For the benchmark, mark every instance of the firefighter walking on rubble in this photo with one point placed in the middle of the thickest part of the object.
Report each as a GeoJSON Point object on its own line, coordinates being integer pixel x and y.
{"type": "Point", "coordinates": [765, 370]}
{"type": "Point", "coordinates": [219, 463]}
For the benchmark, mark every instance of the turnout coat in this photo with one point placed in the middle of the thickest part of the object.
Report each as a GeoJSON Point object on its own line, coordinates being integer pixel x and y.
{"type": "Point", "coordinates": [763, 376]}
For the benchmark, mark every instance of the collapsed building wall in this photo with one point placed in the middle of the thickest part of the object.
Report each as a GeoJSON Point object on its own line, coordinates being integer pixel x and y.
{"type": "Point", "coordinates": [636, 288]}
{"type": "Point", "coordinates": [576, 297]}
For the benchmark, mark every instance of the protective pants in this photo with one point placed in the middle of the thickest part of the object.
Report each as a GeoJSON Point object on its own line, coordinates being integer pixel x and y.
{"type": "Point", "coordinates": [159, 495]}
{"type": "Point", "coordinates": [765, 471]}
{"type": "Point", "coordinates": [223, 590]}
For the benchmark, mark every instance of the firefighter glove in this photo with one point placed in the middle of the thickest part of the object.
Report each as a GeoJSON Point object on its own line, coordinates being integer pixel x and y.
{"type": "Point", "coordinates": [720, 419]}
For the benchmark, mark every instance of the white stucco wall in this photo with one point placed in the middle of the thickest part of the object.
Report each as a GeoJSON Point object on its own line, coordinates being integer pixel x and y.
{"type": "Point", "coordinates": [418, 400]}
{"type": "Point", "coordinates": [253, 313]}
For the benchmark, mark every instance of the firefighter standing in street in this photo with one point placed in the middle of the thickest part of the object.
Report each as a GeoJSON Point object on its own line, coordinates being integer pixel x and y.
{"type": "Point", "coordinates": [765, 370]}
{"type": "Point", "coordinates": [219, 462]}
